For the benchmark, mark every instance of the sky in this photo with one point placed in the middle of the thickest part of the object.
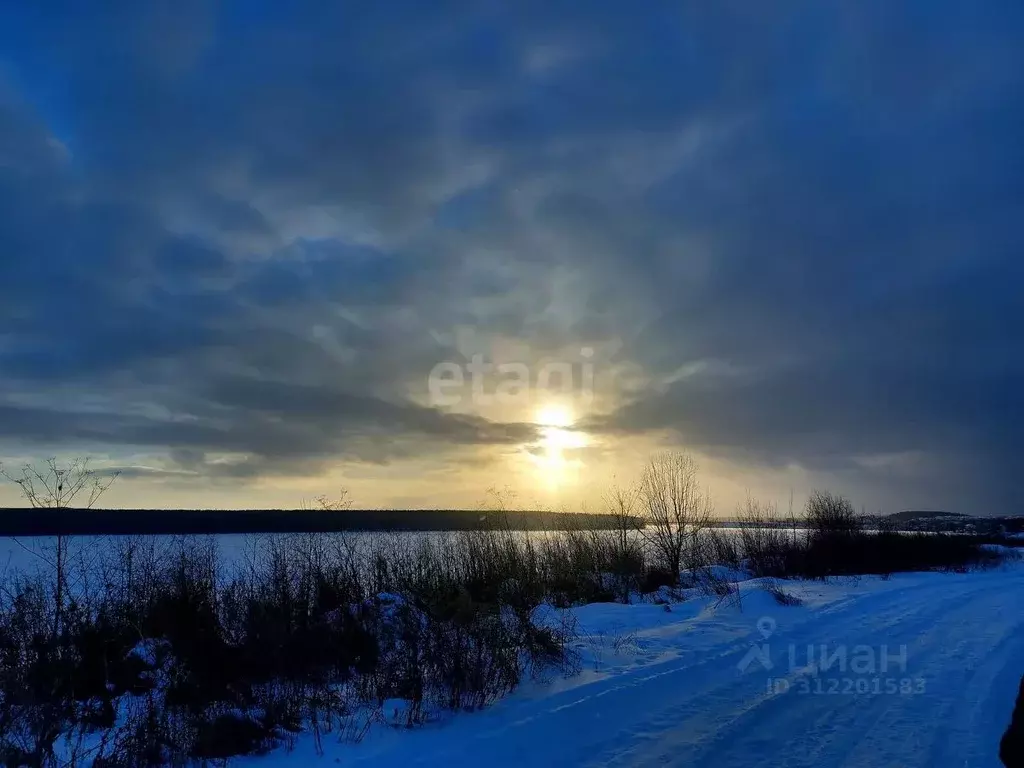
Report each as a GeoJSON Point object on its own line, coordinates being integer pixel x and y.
{"type": "Point", "coordinates": [255, 251]}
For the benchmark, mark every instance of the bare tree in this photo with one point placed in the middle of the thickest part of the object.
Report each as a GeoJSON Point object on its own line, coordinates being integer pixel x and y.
{"type": "Point", "coordinates": [53, 486]}
{"type": "Point", "coordinates": [676, 508]}
{"type": "Point", "coordinates": [622, 504]}
{"type": "Point", "coordinates": [59, 486]}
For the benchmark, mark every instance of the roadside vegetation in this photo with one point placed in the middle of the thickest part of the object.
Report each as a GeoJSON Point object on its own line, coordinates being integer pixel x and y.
{"type": "Point", "coordinates": [157, 650]}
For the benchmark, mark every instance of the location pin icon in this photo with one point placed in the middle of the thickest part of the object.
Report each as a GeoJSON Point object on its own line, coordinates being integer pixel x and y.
{"type": "Point", "coordinates": [766, 626]}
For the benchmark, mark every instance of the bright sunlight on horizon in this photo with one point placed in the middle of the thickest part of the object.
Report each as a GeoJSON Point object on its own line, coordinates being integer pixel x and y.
{"type": "Point", "coordinates": [556, 454]}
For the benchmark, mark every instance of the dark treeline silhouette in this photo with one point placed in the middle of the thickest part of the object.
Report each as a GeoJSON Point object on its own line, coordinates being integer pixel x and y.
{"type": "Point", "coordinates": [85, 522]}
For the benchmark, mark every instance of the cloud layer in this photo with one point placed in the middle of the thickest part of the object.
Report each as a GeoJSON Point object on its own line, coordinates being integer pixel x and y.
{"type": "Point", "coordinates": [238, 236]}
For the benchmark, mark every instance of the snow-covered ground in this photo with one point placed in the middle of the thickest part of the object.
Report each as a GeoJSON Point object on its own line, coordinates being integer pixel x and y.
{"type": "Point", "coordinates": [920, 670]}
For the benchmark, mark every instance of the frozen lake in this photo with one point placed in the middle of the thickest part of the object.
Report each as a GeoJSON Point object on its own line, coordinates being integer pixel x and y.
{"type": "Point", "coordinates": [35, 554]}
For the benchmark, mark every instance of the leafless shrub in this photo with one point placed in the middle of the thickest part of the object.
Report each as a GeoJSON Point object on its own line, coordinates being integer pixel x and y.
{"type": "Point", "coordinates": [831, 515]}
{"type": "Point", "coordinates": [765, 543]}
{"type": "Point", "coordinates": [324, 503]}
{"type": "Point", "coordinates": [625, 642]}
{"type": "Point", "coordinates": [781, 595]}
{"type": "Point", "coordinates": [723, 548]}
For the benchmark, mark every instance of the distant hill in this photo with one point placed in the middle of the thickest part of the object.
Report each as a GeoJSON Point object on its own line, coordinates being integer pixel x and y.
{"type": "Point", "coordinates": [913, 514]}
{"type": "Point", "coordinates": [82, 522]}
{"type": "Point", "coordinates": [952, 522]}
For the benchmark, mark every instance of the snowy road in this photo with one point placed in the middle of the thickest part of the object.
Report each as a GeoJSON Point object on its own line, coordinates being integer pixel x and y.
{"type": "Point", "coordinates": [924, 672]}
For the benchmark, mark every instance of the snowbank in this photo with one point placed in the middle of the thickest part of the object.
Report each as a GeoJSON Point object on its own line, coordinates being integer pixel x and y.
{"type": "Point", "coordinates": [916, 670]}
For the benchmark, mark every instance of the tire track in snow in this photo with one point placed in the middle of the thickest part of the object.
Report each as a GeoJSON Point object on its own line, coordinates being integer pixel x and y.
{"type": "Point", "coordinates": [797, 729]}
{"type": "Point", "coordinates": [734, 703]}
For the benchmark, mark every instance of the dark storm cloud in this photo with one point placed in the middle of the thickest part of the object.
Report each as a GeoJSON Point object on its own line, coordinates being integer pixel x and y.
{"type": "Point", "coordinates": [863, 289]}
{"type": "Point", "coordinates": [248, 229]}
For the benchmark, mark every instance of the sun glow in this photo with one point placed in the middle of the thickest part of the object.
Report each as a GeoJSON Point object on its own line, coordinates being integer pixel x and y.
{"type": "Point", "coordinates": [554, 416]}
{"type": "Point", "coordinates": [553, 452]}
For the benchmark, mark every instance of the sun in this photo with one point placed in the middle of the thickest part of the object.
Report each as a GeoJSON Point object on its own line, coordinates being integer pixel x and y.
{"type": "Point", "coordinates": [553, 416]}
{"type": "Point", "coordinates": [552, 453]}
